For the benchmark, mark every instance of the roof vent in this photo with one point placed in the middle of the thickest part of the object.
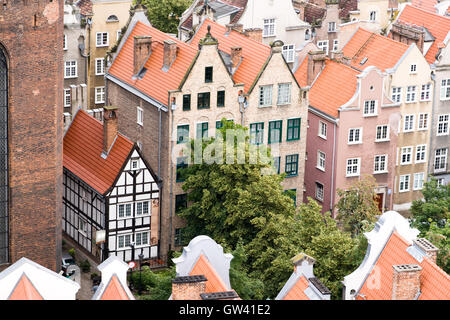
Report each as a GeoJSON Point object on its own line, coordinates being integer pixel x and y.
{"type": "Point", "coordinates": [189, 279]}
{"type": "Point", "coordinates": [363, 60]}
{"type": "Point", "coordinates": [228, 295]}
{"type": "Point", "coordinates": [407, 267]}
{"type": "Point", "coordinates": [319, 286]}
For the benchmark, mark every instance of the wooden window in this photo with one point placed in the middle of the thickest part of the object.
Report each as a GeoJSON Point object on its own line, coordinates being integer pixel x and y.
{"type": "Point", "coordinates": [203, 100]}
{"type": "Point", "coordinates": [269, 28]}
{"type": "Point", "coordinates": [445, 89]}
{"type": "Point", "coordinates": [425, 93]}
{"type": "Point", "coordinates": [421, 152]}
{"type": "Point", "coordinates": [186, 102]}
{"type": "Point", "coordinates": [418, 180]}
{"type": "Point", "coordinates": [265, 96]}
{"type": "Point", "coordinates": [353, 167]}
{"type": "Point", "coordinates": [276, 164]}
{"type": "Point", "coordinates": [202, 130]}
{"type": "Point", "coordinates": [183, 133]}
{"type": "Point", "coordinates": [70, 69]}
{"type": "Point", "coordinates": [180, 202]}
{"type": "Point", "coordinates": [275, 131]}
{"type": "Point", "coordinates": [208, 74]}
{"type": "Point", "coordinates": [284, 94]}
{"type": "Point", "coordinates": [442, 127]}
{"type": "Point", "coordinates": [406, 155]}
{"type": "Point", "coordinates": [221, 98]}
{"type": "Point", "coordinates": [370, 108]}
{"type": "Point", "coordinates": [181, 166]}
{"type": "Point", "coordinates": [322, 130]}
{"type": "Point", "coordinates": [411, 94]}
{"type": "Point", "coordinates": [319, 191]}
{"type": "Point", "coordinates": [397, 94]}
{"type": "Point", "coordinates": [291, 165]}
{"type": "Point", "coordinates": [179, 241]}
{"type": "Point", "coordinates": [440, 160]}
{"type": "Point", "coordinates": [380, 164]}
{"type": "Point", "coordinates": [404, 183]}
{"type": "Point", "coordinates": [289, 52]}
{"type": "Point", "coordinates": [355, 136]}
{"type": "Point", "coordinates": [422, 121]}
{"type": "Point", "coordinates": [321, 160]}
{"type": "Point", "coordinates": [67, 98]}
{"type": "Point", "coordinates": [102, 39]}
{"type": "Point", "coordinates": [382, 133]}
{"type": "Point", "coordinates": [257, 133]}
{"type": "Point", "coordinates": [99, 95]}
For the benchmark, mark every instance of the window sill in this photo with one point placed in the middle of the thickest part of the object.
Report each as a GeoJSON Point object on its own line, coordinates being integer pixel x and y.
{"type": "Point", "coordinates": [370, 115]}
{"type": "Point", "coordinates": [407, 131]}
{"type": "Point", "coordinates": [99, 102]}
{"type": "Point", "coordinates": [354, 143]}
{"type": "Point", "coordinates": [321, 169]}
{"type": "Point", "coordinates": [99, 74]}
{"type": "Point", "coordinates": [324, 138]}
{"type": "Point", "coordinates": [288, 140]}
{"type": "Point", "coordinates": [352, 176]}
{"type": "Point", "coordinates": [403, 191]}
{"type": "Point", "coordinates": [386, 140]}
{"type": "Point", "coordinates": [292, 175]}
{"type": "Point", "coordinates": [380, 172]}
{"type": "Point", "coordinates": [265, 106]}
{"type": "Point", "coordinates": [283, 104]}
{"type": "Point", "coordinates": [410, 101]}
{"type": "Point", "coordinates": [405, 164]}
{"type": "Point", "coordinates": [73, 77]}
{"type": "Point", "coordinates": [102, 46]}
{"type": "Point", "coordinates": [419, 162]}
{"type": "Point", "coordinates": [441, 134]}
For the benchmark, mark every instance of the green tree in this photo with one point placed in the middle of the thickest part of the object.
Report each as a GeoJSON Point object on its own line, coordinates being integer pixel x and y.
{"type": "Point", "coordinates": [433, 208]}
{"type": "Point", "coordinates": [357, 205]}
{"type": "Point", "coordinates": [156, 285]}
{"type": "Point", "coordinates": [165, 14]}
{"type": "Point", "coordinates": [440, 237]}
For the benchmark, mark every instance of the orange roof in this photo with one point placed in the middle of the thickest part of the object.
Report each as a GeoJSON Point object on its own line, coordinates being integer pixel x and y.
{"type": "Point", "coordinates": [156, 83]}
{"type": "Point", "coordinates": [335, 86]}
{"type": "Point", "coordinates": [114, 290]}
{"type": "Point", "coordinates": [301, 73]}
{"type": "Point", "coordinates": [25, 290]}
{"type": "Point", "coordinates": [255, 54]}
{"type": "Point", "coordinates": [427, 5]}
{"type": "Point", "coordinates": [297, 292]}
{"type": "Point", "coordinates": [434, 282]}
{"type": "Point", "coordinates": [380, 51]}
{"type": "Point", "coordinates": [437, 25]}
{"type": "Point", "coordinates": [83, 146]}
{"type": "Point", "coordinates": [214, 283]}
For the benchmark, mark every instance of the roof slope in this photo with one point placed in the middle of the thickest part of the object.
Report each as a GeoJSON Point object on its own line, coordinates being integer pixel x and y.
{"type": "Point", "coordinates": [380, 51]}
{"type": "Point", "coordinates": [434, 282]}
{"type": "Point", "coordinates": [334, 86]}
{"type": "Point", "coordinates": [82, 149]}
{"type": "Point", "coordinates": [438, 26]}
{"type": "Point", "coordinates": [427, 5]}
{"type": "Point", "coordinates": [156, 83]}
{"type": "Point", "coordinates": [25, 290]}
{"type": "Point", "coordinates": [297, 292]}
{"type": "Point", "coordinates": [114, 290]}
{"type": "Point", "coordinates": [214, 283]}
{"type": "Point", "coordinates": [255, 54]}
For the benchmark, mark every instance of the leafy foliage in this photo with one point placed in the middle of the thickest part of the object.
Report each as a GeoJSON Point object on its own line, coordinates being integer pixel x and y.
{"type": "Point", "coordinates": [440, 237]}
{"type": "Point", "coordinates": [165, 14]}
{"type": "Point", "coordinates": [158, 285]}
{"type": "Point", "coordinates": [357, 205]}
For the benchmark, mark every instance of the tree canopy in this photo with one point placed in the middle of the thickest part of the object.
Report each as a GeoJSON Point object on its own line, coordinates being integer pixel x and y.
{"type": "Point", "coordinates": [165, 14]}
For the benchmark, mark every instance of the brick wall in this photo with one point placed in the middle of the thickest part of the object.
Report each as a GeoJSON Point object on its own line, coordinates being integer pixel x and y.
{"type": "Point", "coordinates": [32, 36]}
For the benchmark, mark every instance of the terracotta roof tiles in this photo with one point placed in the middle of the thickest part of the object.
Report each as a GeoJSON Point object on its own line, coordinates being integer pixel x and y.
{"type": "Point", "coordinates": [25, 290]}
{"type": "Point", "coordinates": [297, 292]}
{"type": "Point", "coordinates": [214, 283]}
{"type": "Point", "coordinates": [82, 149]}
{"type": "Point", "coordinates": [114, 290]}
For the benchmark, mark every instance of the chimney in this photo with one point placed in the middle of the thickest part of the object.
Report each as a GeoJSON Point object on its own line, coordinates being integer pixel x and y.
{"type": "Point", "coordinates": [142, 50]}
{"type": "Point", "coordinates": [110, 125]}
{"type": "Point", "coordinates": [316, 61]}
{"type": "Point", "coordinates": [170, 53]}
{"type": "Point", "coordinates": [337, 56]}
{"type": "Point", "coordinates": [236, 56]}
{"type": "Point", "coordinates": [305, 262]}
{"type": "Point", "coordinates": [406, 282]}
{"type": "Point", "coordinates": [188, 288]}
{"type": "Point", "coordinates": [235, 26]}
{"type": "Point", "coordinates": [254, 34]}
{"type": "Point", "coordinates": [427, 248]}
{"type": "Point", "coordinates": [227, 295]}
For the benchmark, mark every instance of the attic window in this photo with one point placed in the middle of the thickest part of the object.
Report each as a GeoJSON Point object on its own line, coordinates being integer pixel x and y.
{"type": "Point", "coordinates": [112, 18]}
{"type": "Point", "coordinates": [363, 61]}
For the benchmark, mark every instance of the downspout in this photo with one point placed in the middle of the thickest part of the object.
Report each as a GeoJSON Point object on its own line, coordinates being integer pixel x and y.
{"type": "Point", "coordinates": [433, 109]}
{"type": "Point", "coordinates": [171, 178]}
{"type": "Point", "coordinates": [332, 170]}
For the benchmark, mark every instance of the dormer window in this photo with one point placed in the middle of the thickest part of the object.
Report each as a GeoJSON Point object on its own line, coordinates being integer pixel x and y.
{"type": "Point", "coordinates": [373, 16]}
{"type": "Point", "coordinates": [112, 18]}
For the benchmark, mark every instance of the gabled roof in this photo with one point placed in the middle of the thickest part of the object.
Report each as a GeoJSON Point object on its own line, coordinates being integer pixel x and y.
{"type": "Point", "coordinates": [427, 5]}
{"type": "Point", "coordinates": [214, 282]}
{"type": "Point", "coordinates": [379, 51]}
{"type": "Point", "coordinates": [85, 7]}
{"type": "Point", "coordinates": [82, 149]}
{"type": "Point", "coordinates": [25, 290]}
{"type": "Point", "coordinates": [114, 290]}
{"type": "Point", "coordinates": [255, 54]}
{"type": "Point", "coordinates": [335, 85]}
{"type": "Point", "coordinates": [156, 82]}
{"type": "Point", "coordinates": [437, 25]}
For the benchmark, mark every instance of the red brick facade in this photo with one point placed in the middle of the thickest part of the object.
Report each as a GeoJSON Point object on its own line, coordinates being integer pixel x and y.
{"type": "Point", "coordinates": [31, 34]}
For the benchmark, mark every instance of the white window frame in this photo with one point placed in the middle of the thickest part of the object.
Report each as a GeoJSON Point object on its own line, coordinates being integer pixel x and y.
{"type": "Point", "coordinates": [387, 133]}
{"type": "Point", "coordinates": [102, 43]}
{"type": "Point", "coordinates": [269, 27]}
{"type": "Point", "coordinates": [445, 90]}
{"type": "Point", "coordinates": [321, 160]}
{"type": "Point", "coordinates": [352, 165]}
{"type": "Point", "coordinates": [408, 123]}
{"type": "Point", "coordinates": [289, 52]}
{"type": "Point", "coordinates": [413, 68]}
{"type": "Point", "coordinates": [125, 205]}
{"type": "Point", "coordinates": [410, 93]}
{"type": "Point", "coordinates": [284, 94]}
{"type": "Point", "coordinates": [419, 178]}
{"type": "Point", "coordinates": [443, 125]}
{"type": "Point", "coordinates": [425, 92]}
{"type": "Point", "coordinates": [422, 121]}
{"type": "Point", "coordinates": [130, 235]}
{"type": "Point", "coordinates": [406, 151]}
{"type": "Point", "coordinates": [397, 94]}
{"type": "Point", "coordinates": [67, 95]}
{"type": "Point", "coordinates": [99, 92]}
{"type": "Point", "coordinates": [404, 180]}
{"type": "Point", "coordinates": [319, 196]}
{"type": "Point", "coordinates": [102, 66]}
{"type": "Point", "coordinates": [379, 162]}
{"type": "Point", "coordinates": [373, 15]}
{"type": "Point", "coordinates": [323, 44]}
{"type": "Point", "coordinates": [421, 149]}
{"type": "Point", "coordinates": [118, 34]}
{"type": "Point", "coordinates": [368, 104]}
{"type": "Point", "coordinates": [332, 26]}
{"type": "Point", "coordinates": [140, 116]}
{"type": "Point", "coordinates": [65, 42]}
{"type": "Point", "coordinates": [265, 96]}
{"type": "Point", "coordinates": [149, 209]}
{"type": "Point", "coordinates": [323, 125]}
{"type": "Point", "coordinates": [352, 136]}
{"type": "Point", "coordinates": [442, 156]}
{"type": "Point", "coordinates": [82, 224]}
{"type": "Point", "coordinates": [72, 67]}
{"type": "Point", "coordinates": [137, 245]}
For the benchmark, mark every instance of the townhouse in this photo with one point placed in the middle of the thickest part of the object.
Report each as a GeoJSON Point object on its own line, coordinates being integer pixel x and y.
{"type": "Point", "coordinates": [380, 12]}
{"type": "Point", "coordinates": [352, 129]}
{"type": "Point", "coordinates": [169, 92]}
{"type": "Point", "coordinates": [408, 83]}
{"type": "Point", "coordinates": [431, 33]}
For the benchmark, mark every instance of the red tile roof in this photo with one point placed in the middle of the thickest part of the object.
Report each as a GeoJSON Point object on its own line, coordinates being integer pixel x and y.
{"type": "Point", "coordinates": [335, 86]}
{"type": "Point", "coordinates": [114, 290]}
{"type": "Point", "coordinates": [214, 282]}
{"type": "Point", "coordinates": [380, 51]}
{"type": "Point", "coordinates": [434, 282]}
{"type": "Point", "coordinates": [427, 5]}
{"type": "Point", "coordinates": [438, 26]}
{"type": "Point", "coordinates": [25, 290]}
{"type": "Point", "coordinates": [255, 54]}
{"type": "Point", "coordinates": [297, 292]}
{"type": "Point", "coordinates": [156, 83]}
{"type": "Point", "coordinates": [82, 148]}
{"type": "Point", "coordinates": [85, 7]}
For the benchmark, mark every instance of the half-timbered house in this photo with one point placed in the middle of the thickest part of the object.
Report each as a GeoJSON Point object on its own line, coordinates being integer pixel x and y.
{"type": "Point", "coordinates": [111, 195]}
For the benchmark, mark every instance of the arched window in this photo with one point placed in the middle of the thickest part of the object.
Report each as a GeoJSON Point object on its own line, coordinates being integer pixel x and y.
{"type": "Point", "coordinates": [112, 18]}
{"type": "Point", "coordinates": [4, 239]}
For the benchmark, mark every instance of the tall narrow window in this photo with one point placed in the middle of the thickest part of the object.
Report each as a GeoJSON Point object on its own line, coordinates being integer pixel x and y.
{"type": "Point", "coordinates": [4, 236]}
{"type": "Point", "coordinates": [269, 28]}
{"type": "Point", "coordinates": [257, 133]}
{"type": "Point", "coordinates": [208, 74]}
{"type": "Point", "coordinates": [221, 98]}
{"type": "Point", "coordinates": [275, 131]}
{"type": "Point", "coordinates": [293, 130]}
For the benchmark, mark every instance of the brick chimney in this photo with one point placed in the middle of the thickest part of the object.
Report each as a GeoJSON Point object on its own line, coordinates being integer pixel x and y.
{"type": "Point", "coordinates": [170, 53]}
{"type": "Point", "coordinates": [188, 288]}
{"type": "Point", "coordinates": [110, 125]}
{"type": "Point", "coordinates": [142, 50]}
{"type": "Point", "coordinates": [254, 34]}
{"type": "Point", "coordinates": [316, 61]}
{"type": "Point", "coordinates": [336, 55]}
{"type": "Point", "coordinates": [427, 247]}
{"type": "Point", "coordinates": [236, 56]}
{"type": "Point", "coordinates": [408, 34]}
{"type": "Point", "coordinates": [406, 281]}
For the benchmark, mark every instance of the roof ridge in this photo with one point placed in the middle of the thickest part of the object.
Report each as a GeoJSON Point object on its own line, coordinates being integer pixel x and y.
{"type": "Point", "coordinates": [426, 11]}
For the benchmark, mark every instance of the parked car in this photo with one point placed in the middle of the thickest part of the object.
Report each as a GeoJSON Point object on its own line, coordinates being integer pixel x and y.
{"type": "Point", "coordinates": [66, 260]}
